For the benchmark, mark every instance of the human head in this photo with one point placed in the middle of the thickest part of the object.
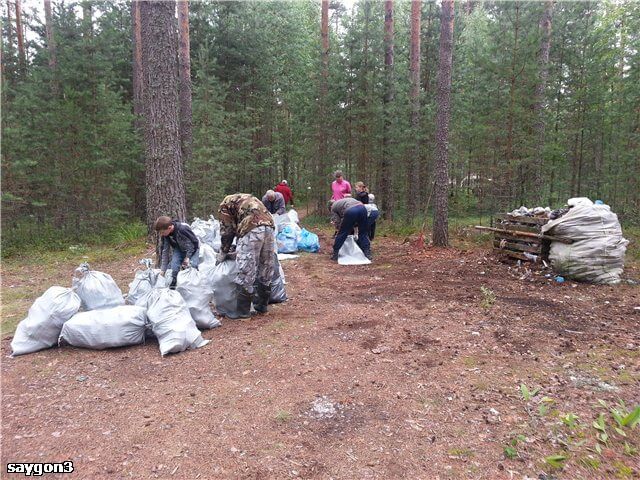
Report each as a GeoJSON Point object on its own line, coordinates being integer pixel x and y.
{"type": "Point", "coordinates": [271, 195]}
{"type": "Point", "coordinates": [284, 182]}
{"type": "Point", "coordinates": [361, 187]}
{"type": "Point", "coordinates": [163, 225]}
{"type": "Point", "coordinates": [338, 175]}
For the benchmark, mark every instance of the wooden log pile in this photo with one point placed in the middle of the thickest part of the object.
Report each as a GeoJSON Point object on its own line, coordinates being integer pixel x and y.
{"type": "Point", "coordinates": [520, 237]}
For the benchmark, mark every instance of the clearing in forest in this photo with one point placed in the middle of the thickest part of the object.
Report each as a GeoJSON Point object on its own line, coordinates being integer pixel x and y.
{"type": "Point", "coordinates": [432, 364]}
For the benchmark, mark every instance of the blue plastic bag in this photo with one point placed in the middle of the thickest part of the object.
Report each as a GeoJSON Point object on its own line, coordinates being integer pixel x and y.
{"type": "Point", "coordinates": [309, 242]}
{"type": "Point", "coordinates": [287, 240]}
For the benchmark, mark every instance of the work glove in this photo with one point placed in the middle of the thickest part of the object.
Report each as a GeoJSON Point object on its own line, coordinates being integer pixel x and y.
{"type": "Point", "coordinates": [221, 257]}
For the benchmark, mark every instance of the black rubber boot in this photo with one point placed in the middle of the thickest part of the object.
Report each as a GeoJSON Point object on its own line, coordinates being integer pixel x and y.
{"type": "Point", "coordinates": [334, 256]}
{"type": "Point", "coordinates": [243, 305]}
{"type": "Point", "coordinates": [262, 298]}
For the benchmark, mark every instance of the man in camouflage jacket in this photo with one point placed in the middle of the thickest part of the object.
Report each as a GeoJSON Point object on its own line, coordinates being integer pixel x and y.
{"type": "Point", "coordinates": [244, 216]}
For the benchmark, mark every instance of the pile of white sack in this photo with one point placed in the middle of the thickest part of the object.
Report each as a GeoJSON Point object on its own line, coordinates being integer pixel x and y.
{"type": "Point", "coordinates": [597, 252]}
{"type": "Point", "coordinates": [94, 314]}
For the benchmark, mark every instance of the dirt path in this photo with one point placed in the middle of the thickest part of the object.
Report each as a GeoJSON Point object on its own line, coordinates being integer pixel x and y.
{"type": "Point", "coordinates": [392, 370]}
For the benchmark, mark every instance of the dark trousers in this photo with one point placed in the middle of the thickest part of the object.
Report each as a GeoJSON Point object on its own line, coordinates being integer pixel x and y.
{"type": "Point", "coordinates": [354, 217]}
{"type": "Point", "coordinates": [373, 216]}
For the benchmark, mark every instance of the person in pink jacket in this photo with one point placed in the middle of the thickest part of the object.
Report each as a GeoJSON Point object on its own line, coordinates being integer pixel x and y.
{"type": "Point", "coordinates": [340, 187]}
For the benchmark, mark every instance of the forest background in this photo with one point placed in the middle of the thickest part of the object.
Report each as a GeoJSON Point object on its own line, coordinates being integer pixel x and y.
{"type": "Point", "coordinates": [523, 130]}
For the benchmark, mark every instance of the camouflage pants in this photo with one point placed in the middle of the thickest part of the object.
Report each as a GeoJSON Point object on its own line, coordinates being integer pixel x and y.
{"type": "Point", "coordinates": [255, 258]}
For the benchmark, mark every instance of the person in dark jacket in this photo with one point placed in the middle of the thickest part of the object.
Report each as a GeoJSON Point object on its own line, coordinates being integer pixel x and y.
{"type": "Point", "coordinates": [179, 238]}
{"type": "Point", "coordinates": [274, 201]}
{"type": "Point", "coordinates": [346, 214]}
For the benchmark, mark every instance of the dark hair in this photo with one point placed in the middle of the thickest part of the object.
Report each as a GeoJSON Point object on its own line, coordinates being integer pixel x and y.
{"type": "Point", "coordinates": [162, 223]}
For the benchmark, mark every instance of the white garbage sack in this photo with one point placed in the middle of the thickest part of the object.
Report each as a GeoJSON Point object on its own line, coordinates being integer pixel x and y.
{"type": "Point", "coordinates": [106, 328]}
{"type": "Point", "coordinates": [350, 253]}
{"type": "Point", "coordinates": [597, 253]}
{"type": "Point", "coordinates": [293, 216]}
{"type": "Point", "coordinates": [96, 289]}
{"type": "Point", "coordinates": [278, 290]}
{"type": "Point", "coordinates": [143, 283]}
{"type": "Point", "coordinates": [171, 322]}
{"type": "Point", "coordinates": [197, 293]}
{"type": "Point", "coordinates": [225, 293]}
{"type": "Point", "coordinates": [46, 316]}
{"type": "Point", "coordinates": [206, 255]}
{"type": "Point", "coordinates": [208, 232]}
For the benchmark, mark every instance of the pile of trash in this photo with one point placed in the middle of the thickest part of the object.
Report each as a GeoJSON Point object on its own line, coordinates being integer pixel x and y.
{"type": "Point", "coordinates": [291, 238]}
{"type": "Point", "coordinates": [597, 252]}
{"type": "Point", "coordinates": [531, 212]}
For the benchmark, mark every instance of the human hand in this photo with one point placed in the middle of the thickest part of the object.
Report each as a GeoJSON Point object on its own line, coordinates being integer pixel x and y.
{"type": "Point", "coordinates": [221, 257]}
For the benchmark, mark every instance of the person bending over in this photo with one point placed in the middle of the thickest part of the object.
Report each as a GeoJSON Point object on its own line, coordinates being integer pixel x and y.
{"type": "Point", "coordinates": [177, 237]}
{"type": "Point", "coordinates": [274, 201]}
{"type": "Point", "coordinates": [244, 216]}
{"type": "Point", "coordinates": [346, 214]}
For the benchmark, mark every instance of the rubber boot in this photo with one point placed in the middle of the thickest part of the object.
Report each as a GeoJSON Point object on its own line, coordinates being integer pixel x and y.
{"type": "Point", "coordinates": [334, 256]}
{"type": "Point", "coordinates": [262, 298]}
{"type": "Point", "coordinates": [243, 304]}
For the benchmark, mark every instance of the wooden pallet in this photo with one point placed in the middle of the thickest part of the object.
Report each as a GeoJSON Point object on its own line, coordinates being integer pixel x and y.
{"type": "Point", "coordinates": [521, 237]}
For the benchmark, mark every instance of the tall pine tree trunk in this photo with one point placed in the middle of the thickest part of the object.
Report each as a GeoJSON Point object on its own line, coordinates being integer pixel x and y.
{"type": "Point", "coordinates": [184, 61]}
{"type": "Point", "coordinates": [164, 175]}
{"type": "Point", "coordinates": [414, 179]}
{"type": "Point", "coordinates": [321, 164]}
{"type": "Point", "coordinates": [136, 30]}
{"type": "Point", "coordinates": [22, 57]}
{"type": "Point", "coordinates": [363, 157]}
{"type": "Point", "coordinates": [543, 60]}
{"type": "Point", "coordinates": [443, 115]}
{"type": "Point", "coordinates": [385, 177]}
{"type": "Point", "coordinates": [51, 46]}
{"type": "Point", "coordinates": [9, 33]}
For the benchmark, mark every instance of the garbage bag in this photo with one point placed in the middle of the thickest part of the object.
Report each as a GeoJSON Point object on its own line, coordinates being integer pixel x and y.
{"type": "Point", "coordinates": [309, 242]}
{"type": "Point", "coordinates": [350, 253]}
{"type": "Point", "coordinates": [96, 289]}
{"type": "Point", "coordinates": [207, 255]}
{"type": "Point", "coordinates": [278, 290]}
{"type": "Point", "coordinates": [207, 231]}
{"type": "Point", "coordinates": [597, 252]}
{"type": "Point", "coordinates": [143, 282]}
{"type": "Point", "coordinates": [197, 294]}
{"type": "Point", "coordinates": [287, 240]}
{"type": "Point", "coordinates": [225, 293]}
{"type": "Point", "coordinates": [171, 322]}
{"type": "Point", "coordinates": [46, 316]}
{"type": "Point", "coordinates": [293, 216]}
{"type": "Point", "coordinates": [106, 328]}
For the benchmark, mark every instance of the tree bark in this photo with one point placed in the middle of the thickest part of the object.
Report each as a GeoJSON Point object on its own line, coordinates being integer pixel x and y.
{"type": "Point", "coordinates": [137, 64]}
{"type": "Point", "coordinates": [443, 115]}
{"type": "Point", "coordinates": [51, 46]}
{"type": "Point", "coordinates": [22, 58]}
{"type": "Point", "coordinates": [184, 61]}
{"type": "Point", "coordinates": [164, 174]}
{"type": "Point", "coordinates": [363, 157]}
{"type": "Point", "coordinates": [413, 171]}
{"type": "Point", "coordinates": [385, 178]}
{"type": "Point", "coordinates": [539, 127]}
{"type": "Point", "coordinates": [321, 163]}
{"type": "Point", "coordinates": [9, 30]}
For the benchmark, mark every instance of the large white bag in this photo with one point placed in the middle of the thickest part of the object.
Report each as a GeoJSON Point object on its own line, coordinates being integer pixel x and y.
{"type": "Point", "coordinates": [171, 322]}
{"type": "Point", "coordinates": [225, 294]}
{"type": "Point", "coordinates": [350, 253]}
{"type": "Point", "coordinates": [106, 328]}
{"type": "Point", "coordinates": [197, 293]}
{"type": "Point", "coordinates": [206, 255]}
{"type": "Point", "coordinates": [143, 283]}
{"type": "Point", "coordinates": [46, 316]}
{"type": "Point", "coordinates": [208, 232]}
{"type": "Point", "coordinates": [96, 289]}
{"type": "Point", "coordinates": [597, 253]}
{"type": "Point", "coordinates": [278, 290]}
